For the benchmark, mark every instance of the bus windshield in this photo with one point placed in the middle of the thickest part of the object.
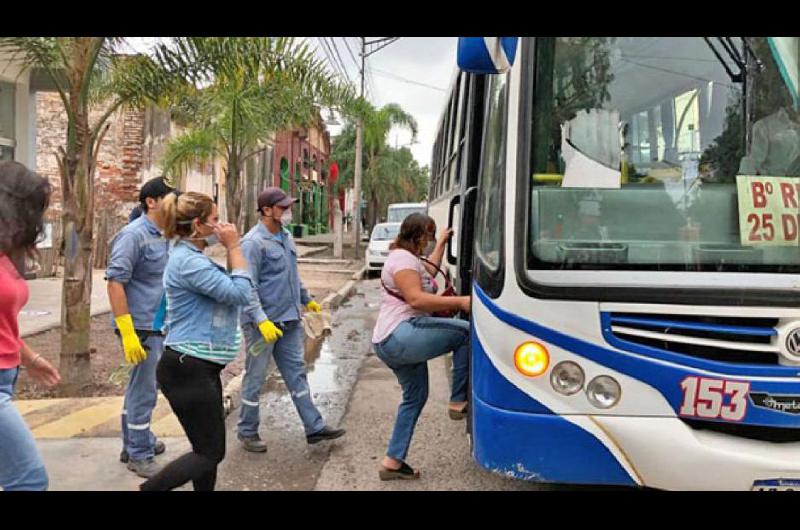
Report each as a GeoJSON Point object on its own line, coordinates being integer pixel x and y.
{"type": "Point", "coordinates": [665, 153]}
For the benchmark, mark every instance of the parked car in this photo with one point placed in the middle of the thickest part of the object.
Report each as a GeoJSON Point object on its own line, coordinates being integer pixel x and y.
{"type": "Point", "coordinates": [378, 249]}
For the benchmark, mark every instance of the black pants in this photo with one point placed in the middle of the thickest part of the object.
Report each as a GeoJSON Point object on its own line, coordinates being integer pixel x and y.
{"type": "Point", "coordinates": [194, 391]}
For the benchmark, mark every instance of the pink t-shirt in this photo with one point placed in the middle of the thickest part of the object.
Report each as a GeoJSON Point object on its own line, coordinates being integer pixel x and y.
{"type": "Point", "coordinates": [13, 297]}
{"type": "Point", "coordinates": [394, 311]}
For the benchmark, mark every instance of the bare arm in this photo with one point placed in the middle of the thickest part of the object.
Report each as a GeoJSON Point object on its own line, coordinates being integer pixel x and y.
{"type": "Point", "coordinates": [438, 252]}
{"type": "Point", "coordinates": [410, 285]}
{"type": "Point", "coordinates": [117, 298]}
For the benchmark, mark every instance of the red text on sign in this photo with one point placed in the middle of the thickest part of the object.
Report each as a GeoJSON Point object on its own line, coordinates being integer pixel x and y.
{"type": "Point", "coordinates": [706, 398]}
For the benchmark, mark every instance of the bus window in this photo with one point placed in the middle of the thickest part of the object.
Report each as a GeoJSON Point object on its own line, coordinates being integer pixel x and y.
{"type": "Point", "coordinates": [661, 132]}
{"type": "Point", "coordinates": [490, 207]}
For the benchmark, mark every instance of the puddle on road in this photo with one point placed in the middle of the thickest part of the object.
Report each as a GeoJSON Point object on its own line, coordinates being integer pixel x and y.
{"type": "Point", "coordinates": [323, 367]}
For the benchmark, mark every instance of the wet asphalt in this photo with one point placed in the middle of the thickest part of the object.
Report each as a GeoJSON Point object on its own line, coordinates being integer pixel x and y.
{"type": "Point", "coordinates": [332, 367]}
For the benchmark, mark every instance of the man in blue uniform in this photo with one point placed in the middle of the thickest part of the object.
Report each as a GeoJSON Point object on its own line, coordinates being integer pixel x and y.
{"type": "Point", "coordinates": [272, 323]}
{"type": "Point", "coordinates": [135, 289]}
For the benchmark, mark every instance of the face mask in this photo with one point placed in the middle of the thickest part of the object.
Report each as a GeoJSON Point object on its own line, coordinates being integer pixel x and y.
{"type": "Point", "coordinates": [429, 248]}
{"type": "Point", "coordinates": [286, 218]}
{"type": "Point", "coordinates": [213, 239]}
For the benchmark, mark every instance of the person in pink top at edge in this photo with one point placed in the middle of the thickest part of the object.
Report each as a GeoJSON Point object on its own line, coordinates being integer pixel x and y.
{"type": "Point", "coordinates": [24, 196]}
{"type": "Point", "coordinates": [406, 337]}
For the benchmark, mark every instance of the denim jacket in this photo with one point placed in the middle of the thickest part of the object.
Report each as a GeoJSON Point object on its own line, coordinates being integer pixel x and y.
{"type": "Point", "coordinates": [279, 294]}
{"type": "Point", "coordinates": [138, 256]}
{"type": "Point", "coordinates": [203, 300]}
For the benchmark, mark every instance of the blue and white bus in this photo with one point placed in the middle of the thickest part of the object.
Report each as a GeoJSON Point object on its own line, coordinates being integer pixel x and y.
{"type": "Point", "coordinates": [627, 221]}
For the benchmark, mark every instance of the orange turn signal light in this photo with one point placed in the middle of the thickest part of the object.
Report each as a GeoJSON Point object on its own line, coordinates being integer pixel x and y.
{"type": "Point", "coordinates": [531, 359]}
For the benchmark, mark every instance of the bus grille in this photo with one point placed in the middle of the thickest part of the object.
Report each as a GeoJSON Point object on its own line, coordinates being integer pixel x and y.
{"type": "Point", "coordinates": [744, 340]}
{"type": "Point", "coordinates": [752, 432]}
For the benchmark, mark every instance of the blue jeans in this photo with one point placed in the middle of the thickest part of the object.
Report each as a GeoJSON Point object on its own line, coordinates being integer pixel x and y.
{"type": "Point", "coordinates": [140, 400]}
{"type": "Point", "coordinates": [288, 354]}
{"type": "Point", "coordinates": [21, 466]}
{"type": "Point", "coordinates": [407, 352]}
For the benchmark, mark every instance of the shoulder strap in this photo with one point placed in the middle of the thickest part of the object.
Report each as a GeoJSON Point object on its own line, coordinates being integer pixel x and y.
{"type": "Point", "coordinates": [438, 270]}
{"type": "Point", "coordinates": [399, 297]}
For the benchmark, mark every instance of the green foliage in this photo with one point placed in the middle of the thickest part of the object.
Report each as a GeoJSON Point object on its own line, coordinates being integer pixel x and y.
{"type": "Point", "coordinates": [389, 174]}
{"type": "Point", "coordinates": [241, 90]}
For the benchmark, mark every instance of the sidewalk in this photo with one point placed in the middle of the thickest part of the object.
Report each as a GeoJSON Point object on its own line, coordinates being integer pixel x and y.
{"type": "Point", "coordinates": [43, 310]}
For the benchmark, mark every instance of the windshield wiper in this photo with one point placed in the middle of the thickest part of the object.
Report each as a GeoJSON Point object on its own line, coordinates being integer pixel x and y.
{"type": "Point", "coordinates": [735, 56]}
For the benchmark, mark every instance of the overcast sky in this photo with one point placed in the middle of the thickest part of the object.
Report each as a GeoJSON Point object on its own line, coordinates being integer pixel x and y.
{"type": "Point", "coordinates": [396, 74]}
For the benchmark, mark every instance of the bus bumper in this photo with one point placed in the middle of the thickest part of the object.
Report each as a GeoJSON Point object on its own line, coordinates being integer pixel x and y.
{"type": "Point", "coordinates": [657, 452]}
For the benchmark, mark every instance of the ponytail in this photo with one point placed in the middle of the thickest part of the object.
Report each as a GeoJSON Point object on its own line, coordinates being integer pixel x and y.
{"type": "Point", "coordinates": [179, 211]}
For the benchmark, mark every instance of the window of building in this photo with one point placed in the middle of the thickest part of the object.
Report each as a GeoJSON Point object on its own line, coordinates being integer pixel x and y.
{"type": "Point", "coordinates": [7, 137]}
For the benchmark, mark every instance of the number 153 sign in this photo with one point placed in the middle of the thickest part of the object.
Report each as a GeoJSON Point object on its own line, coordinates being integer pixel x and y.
{"type": "Point", "coordinates": [769, 210]}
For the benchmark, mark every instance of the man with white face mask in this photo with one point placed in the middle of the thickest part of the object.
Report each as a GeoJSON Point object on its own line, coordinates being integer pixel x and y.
{"type": "Point", "coordinates": [272, 323]}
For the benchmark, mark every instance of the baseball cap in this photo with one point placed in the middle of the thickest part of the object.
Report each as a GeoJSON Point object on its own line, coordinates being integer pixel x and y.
{"type": "Point", "coordinates": [274, 196]}
{"type": "Point", "coordinates": [155, 188]}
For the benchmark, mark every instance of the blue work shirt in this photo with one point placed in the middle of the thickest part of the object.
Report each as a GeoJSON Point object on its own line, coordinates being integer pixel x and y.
{"type": "Point", "coordinates": [203, 300]}
{"type": "Point", "coordinates": [138, 257]}
{"type": "Point", "coordinates": [279, 294]}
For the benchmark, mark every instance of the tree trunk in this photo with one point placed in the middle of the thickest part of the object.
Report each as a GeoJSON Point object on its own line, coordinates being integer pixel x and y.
{"type": "Point", "coordinates": [78, 176]}
{"type": "Point", "coordinates": [76, 165]}
{"type": "Point", "coordinates": [233, 195]}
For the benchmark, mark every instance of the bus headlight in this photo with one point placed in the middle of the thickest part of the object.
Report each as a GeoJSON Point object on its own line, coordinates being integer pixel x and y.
{"type": "Point", "coordinates": [567, 378]}
{"type": "Point", "coordinates": [531, 359]}
{"type": "Point", "coordinates": [603, 392]}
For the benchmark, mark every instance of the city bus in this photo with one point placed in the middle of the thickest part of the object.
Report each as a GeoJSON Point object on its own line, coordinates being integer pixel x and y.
{"type": "Point", "coordinates": [626, 217]}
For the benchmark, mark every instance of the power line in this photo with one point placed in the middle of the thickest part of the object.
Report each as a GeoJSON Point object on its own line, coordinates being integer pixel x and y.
{"type": "Point", "coordinates": [352, 55]}
{"type": "Point", "coordinates": [336, 50]}
{"type": "Point", "coordinates": [332, 62]}
{"type": "Point", "coordinates": [396, 77]}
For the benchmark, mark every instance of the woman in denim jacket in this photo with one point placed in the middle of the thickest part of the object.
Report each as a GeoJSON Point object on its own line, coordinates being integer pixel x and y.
{"type": "Point", "coordinates": [203, 303]}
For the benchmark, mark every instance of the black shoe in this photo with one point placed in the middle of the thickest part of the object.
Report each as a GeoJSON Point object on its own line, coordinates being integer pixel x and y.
{"type": "Point", "coordinates": [159, 448]}
{"type": "Point", "coordinates": [325, 434]}
{"type": "Point", "coordinates": [404, 473]}
{"type": "Point", "coordinates": [254, 443]}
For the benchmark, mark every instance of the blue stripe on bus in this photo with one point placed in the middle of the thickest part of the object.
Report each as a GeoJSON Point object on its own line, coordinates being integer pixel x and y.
{"type": "Point", "coordinates": [492, 387]}
{"type": "Point", "coordinates": [514, 434]}
{"type": "Point", "coordinates": [664, 378]}
{"type": "Point", "coordinates": [698, 326]}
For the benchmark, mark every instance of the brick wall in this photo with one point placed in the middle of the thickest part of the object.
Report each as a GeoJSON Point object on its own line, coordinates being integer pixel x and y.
{"type": "Point", "coordinates": [119, 162]}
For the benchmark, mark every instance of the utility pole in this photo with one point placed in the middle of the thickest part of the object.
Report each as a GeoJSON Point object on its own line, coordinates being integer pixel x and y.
{"type": "Point", "coordinates": [379, 45]}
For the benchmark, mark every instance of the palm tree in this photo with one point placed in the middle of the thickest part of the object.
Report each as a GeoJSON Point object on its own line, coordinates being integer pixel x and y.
{"type": "Point", "coordinates": [245, 88]}
{"type": "Point", "coordinates": [380, 178]}
{"type": "Point", "coordinates": [85, 71]}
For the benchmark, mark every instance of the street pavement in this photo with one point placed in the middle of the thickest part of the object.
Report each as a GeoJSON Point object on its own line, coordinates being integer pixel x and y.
{"type": "Point", "coordinates": [79, 438]}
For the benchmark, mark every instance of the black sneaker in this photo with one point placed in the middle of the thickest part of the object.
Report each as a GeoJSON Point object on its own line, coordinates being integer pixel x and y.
{"type": "Point", "coordinates": [159, 448]}
{"type": "Point", "coordinates": [325, 434]}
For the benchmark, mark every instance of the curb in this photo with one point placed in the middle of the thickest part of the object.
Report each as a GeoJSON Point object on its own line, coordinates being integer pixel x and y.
{"type": "Point", "coordinates": [313, 250]}
{"type": "Point", "coordinates": [333, 300]}
{"type": "Point", "coordinates": [232, 392]}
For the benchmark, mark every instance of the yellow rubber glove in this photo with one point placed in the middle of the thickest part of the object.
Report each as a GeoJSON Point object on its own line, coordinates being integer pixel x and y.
{"type": "Point", "coordinates": [134, 353]}
{"type": "Point", "coordinates": [313, 306]}
{"type": "Point", "coordinates": [270, 331]}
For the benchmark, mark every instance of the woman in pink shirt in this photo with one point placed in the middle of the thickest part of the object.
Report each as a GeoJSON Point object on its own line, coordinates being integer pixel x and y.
{"type": "Point", "coordinates": [24, 196]}
{"type": "Point", "coordinates": [406, 337]}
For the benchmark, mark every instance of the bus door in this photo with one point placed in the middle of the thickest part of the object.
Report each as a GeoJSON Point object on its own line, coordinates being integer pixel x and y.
{"type": "Point", "coordinates": [461, 214]}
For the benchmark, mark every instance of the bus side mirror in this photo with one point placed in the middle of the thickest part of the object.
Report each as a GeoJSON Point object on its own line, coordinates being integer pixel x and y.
{"type": "Point", "coordinates": [486, 55]}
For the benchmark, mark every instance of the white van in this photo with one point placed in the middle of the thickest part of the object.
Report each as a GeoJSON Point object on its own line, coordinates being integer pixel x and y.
{"type": "Point", "coordinates": [400, 210]}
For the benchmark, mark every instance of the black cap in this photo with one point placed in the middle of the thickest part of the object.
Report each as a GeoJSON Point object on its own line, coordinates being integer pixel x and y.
{"type": "Point", "coordinates": [273, 196]}
{"type": "Point", "coordinates": [155, 188]}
